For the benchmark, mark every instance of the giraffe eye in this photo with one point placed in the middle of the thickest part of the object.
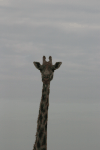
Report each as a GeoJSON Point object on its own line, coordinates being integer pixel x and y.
{"type": "Point", "coordinates": [52, 69]}
{"type": "Point", "coordinates": [40, 70]}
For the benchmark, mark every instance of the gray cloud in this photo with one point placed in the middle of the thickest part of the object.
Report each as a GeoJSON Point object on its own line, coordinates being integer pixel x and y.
{"type": "Point", "coordinates": [69, 31]}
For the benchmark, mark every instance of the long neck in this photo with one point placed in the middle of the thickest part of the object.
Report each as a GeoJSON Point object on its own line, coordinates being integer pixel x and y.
{"type": "Point", "coordinates": [41, 134]}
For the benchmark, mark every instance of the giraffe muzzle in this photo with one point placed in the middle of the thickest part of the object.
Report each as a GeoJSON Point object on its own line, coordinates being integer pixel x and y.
{"type": "Point", "coordinates": [46, 79]}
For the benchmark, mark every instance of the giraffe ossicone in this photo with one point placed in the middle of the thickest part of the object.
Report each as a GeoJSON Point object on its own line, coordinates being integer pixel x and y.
{"type": "Point", "coordinates": [47, 72]}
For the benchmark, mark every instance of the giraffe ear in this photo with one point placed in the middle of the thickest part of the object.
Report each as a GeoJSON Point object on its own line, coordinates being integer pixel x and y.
{"type": "Point", "coordinates": [57, 65]}
{"type": "Point", "coordinates": [37, 65]}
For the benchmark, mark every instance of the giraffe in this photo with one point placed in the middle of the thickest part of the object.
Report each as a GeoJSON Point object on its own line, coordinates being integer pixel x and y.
{"type": "Point", "coordinates": [47, 71]}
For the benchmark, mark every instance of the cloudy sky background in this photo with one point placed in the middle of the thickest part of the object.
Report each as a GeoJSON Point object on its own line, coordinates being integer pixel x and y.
{"type": "Point", "coordinates": [69, 31]}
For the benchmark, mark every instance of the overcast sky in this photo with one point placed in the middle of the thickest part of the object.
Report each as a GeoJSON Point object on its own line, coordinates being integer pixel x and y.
{"type": "Point", "coordinates": [69, 31]}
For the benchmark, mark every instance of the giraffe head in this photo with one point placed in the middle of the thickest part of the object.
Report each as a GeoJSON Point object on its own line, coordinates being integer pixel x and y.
{"type": "Point", "coordinates": [47, 69]}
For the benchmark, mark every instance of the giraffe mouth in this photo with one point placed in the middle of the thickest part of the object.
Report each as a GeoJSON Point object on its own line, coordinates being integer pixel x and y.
{"type": "Point", "coordinates": [46, 79]}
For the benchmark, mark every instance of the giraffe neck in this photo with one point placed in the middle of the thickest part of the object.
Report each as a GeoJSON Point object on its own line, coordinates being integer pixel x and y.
{"type": "Point", "coordinates": [41, 134]}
